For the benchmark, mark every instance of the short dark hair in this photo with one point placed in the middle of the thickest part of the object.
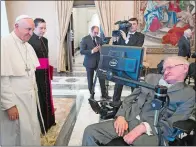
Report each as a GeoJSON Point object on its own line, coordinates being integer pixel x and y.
{"type": "Point", "coordinates": [134, 19]}
{"type": "Point", "coordinates": [39, 20]}
{"type": "Point", "coordinates": [93, 27]}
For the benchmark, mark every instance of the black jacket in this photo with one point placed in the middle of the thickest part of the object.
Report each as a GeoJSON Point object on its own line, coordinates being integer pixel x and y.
{"type": "Point", "coordinates": [184, 47]}
{"type": "Point", "coordinates": [136, 40]}
{"type": "Point", "coordinates": [39, 45]}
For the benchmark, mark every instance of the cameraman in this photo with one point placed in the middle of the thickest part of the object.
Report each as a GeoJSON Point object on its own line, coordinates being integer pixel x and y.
{"type": "Point", "coordinates": [132, 38]}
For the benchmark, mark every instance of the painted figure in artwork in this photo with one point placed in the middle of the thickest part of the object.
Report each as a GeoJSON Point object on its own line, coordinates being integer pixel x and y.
{"type": "Point", "coordinates": [153, 14]}
{"type": "Point", "coordinates": [185, 21]}
{"type": "Point", "coordinates": [143, 5]}
{"type": "Point", "coordinates": [174, 7]}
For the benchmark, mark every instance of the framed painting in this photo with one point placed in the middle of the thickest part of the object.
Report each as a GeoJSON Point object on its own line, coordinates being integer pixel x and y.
{"type": "Point", "coordinates": [164, 23]}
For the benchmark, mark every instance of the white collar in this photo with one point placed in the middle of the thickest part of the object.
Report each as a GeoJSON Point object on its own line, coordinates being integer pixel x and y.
{"type": "Point", "coordinates": [131, 33]}
{"type": "Point", "coordinates": [186, 37]}
{"type": "Point", "coordinates": [17, 38]}
{"type": "Point", "coordinates": [164, 83]}
{"type": "Point", "coordinates": [93, 37]}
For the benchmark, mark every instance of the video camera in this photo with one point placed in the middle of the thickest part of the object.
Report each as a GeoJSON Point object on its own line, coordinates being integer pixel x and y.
{"type": "Point", "coordinates": [123, 25]}
{"type": "Point", "coordinates": [106, 40]}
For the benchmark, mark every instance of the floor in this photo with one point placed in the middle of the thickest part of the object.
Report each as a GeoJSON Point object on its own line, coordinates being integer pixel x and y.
{"type": "Point", "coordinates": [63, 107]}
{"type": "Point", "coordinates": [68, 88]}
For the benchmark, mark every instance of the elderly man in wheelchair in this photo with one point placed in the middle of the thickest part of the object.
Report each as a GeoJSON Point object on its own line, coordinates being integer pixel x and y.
{"type": "Point", "coordinates": [134, 121]}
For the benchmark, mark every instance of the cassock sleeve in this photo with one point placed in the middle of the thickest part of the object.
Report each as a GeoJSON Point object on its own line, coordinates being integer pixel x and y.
{"type": "Point", "coordinates": [7, 98]}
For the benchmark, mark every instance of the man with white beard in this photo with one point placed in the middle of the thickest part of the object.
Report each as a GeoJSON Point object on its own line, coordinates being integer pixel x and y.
{"type": "Point", "coordinates": [19, 121]}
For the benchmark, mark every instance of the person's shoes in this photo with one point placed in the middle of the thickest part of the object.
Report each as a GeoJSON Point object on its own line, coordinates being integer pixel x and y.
{"type": "Point", "coordinates": [106, 97]}
{"type": "Point", "coordinates": [116, 104]}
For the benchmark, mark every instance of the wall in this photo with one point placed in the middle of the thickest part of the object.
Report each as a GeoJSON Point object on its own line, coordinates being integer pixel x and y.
{"type": "Point", "coordinates": [81, 20]}
{"type": "Point", "coordinates": [4, 22]}
{"type": "Point", "coordinates": [44, 9]}
{"type": "Point", "coordinates": [155, 59]}
{"type": "Point", "coordinates": [80, 24]}
{"type": "Point", "coordinates": [93, 18]}
{"type": "Point", "coordinates": [125, 10]}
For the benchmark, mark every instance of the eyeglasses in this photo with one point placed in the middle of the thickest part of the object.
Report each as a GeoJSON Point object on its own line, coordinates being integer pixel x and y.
{"type": "Point", "coordinates": [170, 67]}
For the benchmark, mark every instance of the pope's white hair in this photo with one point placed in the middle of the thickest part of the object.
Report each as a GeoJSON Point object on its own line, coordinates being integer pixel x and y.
{"type": "Point", "coordinates": [22, 17]}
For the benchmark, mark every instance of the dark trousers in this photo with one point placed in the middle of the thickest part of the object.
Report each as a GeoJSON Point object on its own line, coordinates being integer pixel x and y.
{"type": "Point", "coordinates": [90, 75]}
{"type": "Point", "coordinates": [118, 91]}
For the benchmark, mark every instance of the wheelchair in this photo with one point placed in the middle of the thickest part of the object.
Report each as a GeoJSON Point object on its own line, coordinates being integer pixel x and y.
{"type": "Point", "coordinates": [187, 127]}
{"type": "Point", "coordinates": [184, 131]}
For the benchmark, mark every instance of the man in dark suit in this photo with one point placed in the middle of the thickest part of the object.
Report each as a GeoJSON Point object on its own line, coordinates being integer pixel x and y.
{"type": "Point", "coordinates": [184, 44]}
{"type": "Point", "coordinates": [90, 46]}
{"type": "Point", "coordinates": [132, 38]}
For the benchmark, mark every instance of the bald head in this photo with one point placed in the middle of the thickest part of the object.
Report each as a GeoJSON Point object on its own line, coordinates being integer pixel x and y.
{"type": "Point", "coordinates": [24, 27]}
{"type": "Point", "coordinates": [94, 31]}
{"type": "Point", "coordinates": [188, 33]}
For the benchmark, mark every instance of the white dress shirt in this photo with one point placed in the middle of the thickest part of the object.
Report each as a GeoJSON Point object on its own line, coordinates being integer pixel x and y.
{"type": "Point", "coordinates": [128, 36]}
{"type": "Point", "coordinates": [95, 41]}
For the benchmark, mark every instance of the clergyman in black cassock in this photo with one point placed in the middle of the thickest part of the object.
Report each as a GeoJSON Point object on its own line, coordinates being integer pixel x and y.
{"type": "Point", "coordinates": [43, 75]}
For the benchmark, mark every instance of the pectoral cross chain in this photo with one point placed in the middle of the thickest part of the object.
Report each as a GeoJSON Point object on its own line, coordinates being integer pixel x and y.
{"type": "Point", "coordinates": [27, 70]}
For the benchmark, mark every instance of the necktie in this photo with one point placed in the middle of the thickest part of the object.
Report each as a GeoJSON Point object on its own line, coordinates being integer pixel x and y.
{"type": "Point", "coordinates": [94, 42]}
{"type": "Point", "coordinates": [131, 35]}
{"type": "Point", "coordinates": [128, 37]}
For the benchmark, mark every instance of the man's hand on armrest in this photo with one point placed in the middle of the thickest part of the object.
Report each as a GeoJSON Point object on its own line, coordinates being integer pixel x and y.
{"type": "Point", "coordinates": [120, 125]}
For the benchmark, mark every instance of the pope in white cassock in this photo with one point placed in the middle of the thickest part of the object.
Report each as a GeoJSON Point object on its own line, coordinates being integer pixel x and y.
{"type": "Point", "coordinates": [19, 121]}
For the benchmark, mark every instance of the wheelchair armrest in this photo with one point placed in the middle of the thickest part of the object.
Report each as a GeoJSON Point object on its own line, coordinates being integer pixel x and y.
{"type": "Point", "coordinates": [186, 125]}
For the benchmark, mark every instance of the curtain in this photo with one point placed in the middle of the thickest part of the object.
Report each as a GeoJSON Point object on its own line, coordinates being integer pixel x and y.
{"type": "Point", "coordinates": [4, 23]}
{"type": "Point", "coordinates": [64, 10]}
{"type": "Point", "coordinates": [69, 50]}
{"type": "Point", "coordinates": [138, 13]}
{"type": "Point", "coordinates": [106, 12]}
